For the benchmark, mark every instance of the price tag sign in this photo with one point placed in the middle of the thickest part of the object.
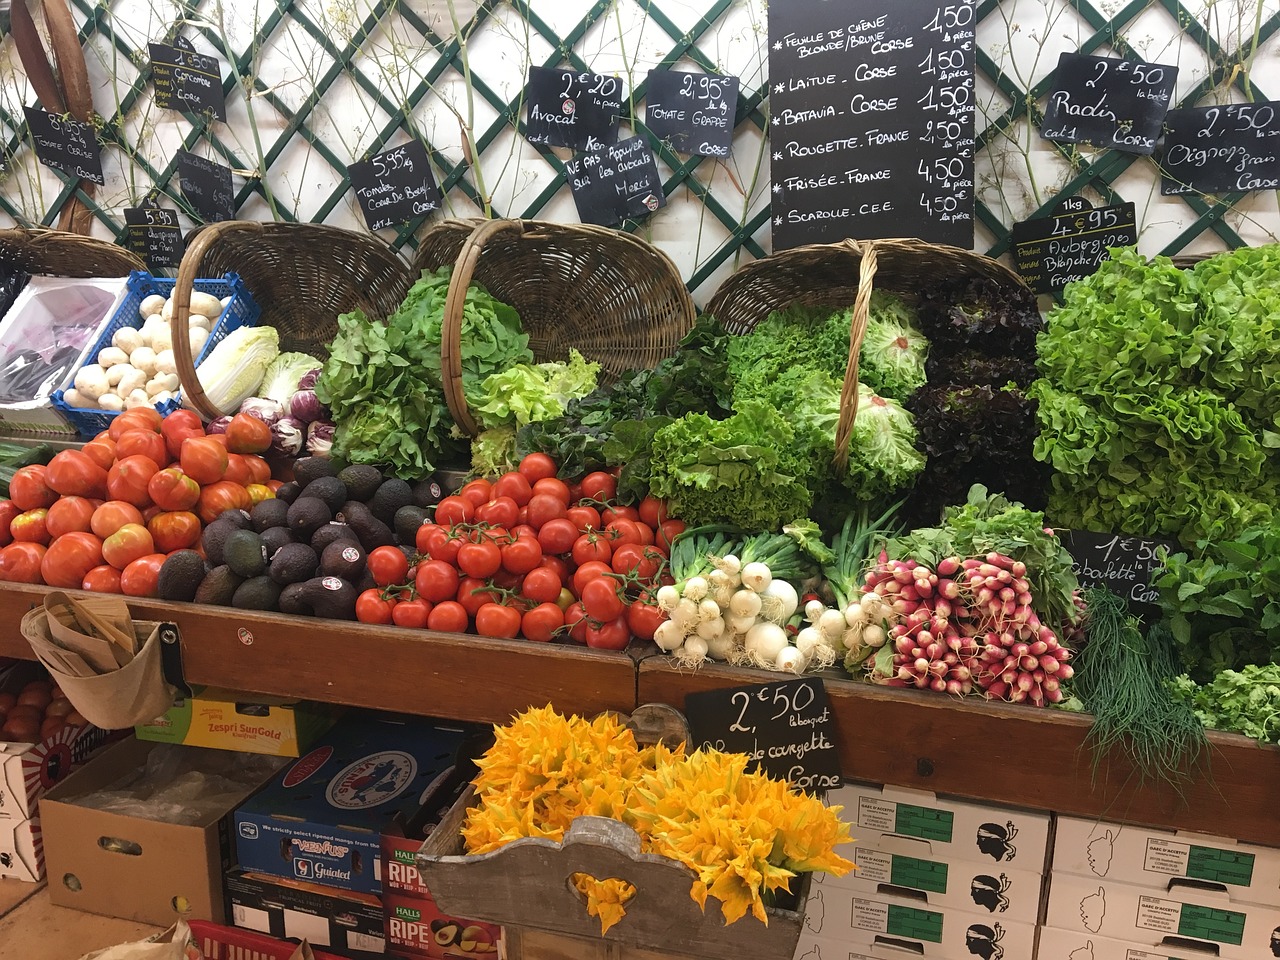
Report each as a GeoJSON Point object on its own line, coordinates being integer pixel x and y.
{"type": "Point", "coordinates": [187, 81]}
{"type": "Point", "coordinates": [1127, 566]}
{"type": "Point", "coordinates": [785, 728]}
{"type": "Point", "coordinates": [1108, 102]}
{"type": "Point", "coordinates": [616, 183]}
{"type": "Point", "coordinates": [1072, 243]}
{"type": "Point", "coordinates": [565, 108]}
{"type": "Point", "coordinates": [1222, 149]}
{"type": "Point", "coordinates": [694, 111]}
{"type": "Point", "coordinates": [396, 186]}
{"type": "Point", "coordinates": [155, 235]}
{"type": "Point", "coordinates": [207, 186]}
{"type": "Point", "coordinates": [68, 145]}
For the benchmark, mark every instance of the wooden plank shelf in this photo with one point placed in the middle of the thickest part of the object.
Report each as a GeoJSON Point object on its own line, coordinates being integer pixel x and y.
{"type": "Point", "coordinates": [385, 668]}
{"type": "Point", "coordinates": [1003, 753]}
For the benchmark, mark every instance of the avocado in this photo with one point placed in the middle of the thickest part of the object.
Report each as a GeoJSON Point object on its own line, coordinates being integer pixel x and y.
{"type": "Point", "coordinates": [288, 492]}
{"type": "Point", "coordinates": [408, 520]}
{"type": "Point", "coordinates": [362, 481]}
{"type": "Point", "coordinates": [245, 554]}
{"type": "Point", "coordinates": [344, 558]}
{"type": "Point", "coordinates": [213, 538]}
{"type": "Point", "coordinates": [218, 587]}
{"type": "Point", "coordinates": [307, 515]}
{"type": "Point", "coordinates": [427, 493]}
{"type": "Point", "coordinates": [329, 597]}
{"type": "Point", "coordinates": [260, 593]}
{"type": "Point", "coordinates": [366, 582]}
{"type": "Point", "coordinates": [181, 575]}
{"type": "Point", "coordinates": [329, 489]}
{"type": "Point", "coordinates": [310, 468]}
{"type": "Point", "coordinates": [293, 563]}
{"type": "Point", "coordinates": [391, 496]}
{"type": "Point", "coordinates": [369, 530]}
{"type": "Point", "coordinates": [268, 514]}
{"type": "Point", "coordinates": [274, 539]}
{"type": "Point", "coordinates": [237, 518]}
{"type": "Point", "coordinates": [331, 533]}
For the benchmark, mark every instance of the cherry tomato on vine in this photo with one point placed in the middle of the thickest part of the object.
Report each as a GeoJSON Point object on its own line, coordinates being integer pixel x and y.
{"type": "Point", "coordinates": [557, 536]}
{"type": "Point", "coordinates": [449, 617]}
{"type": "Point", "coordinates": [477, 491]}
{"type": "Point", "coordinates": [388, 565]}
{"type": "Point", "coordinates": [614, 635]}
{"type": "Point", "coordinates": [479, 560]}
{"type": "Point", "coordinates": [522, 555]}
{"type": "Point", "coordinates": [541, 623]}
{"type": "Point", "coordinates": [371, 608]}
{"type": "Point", "coordinates": [411, 613]}
{"type": "Point", "coordinates": [559, 566]}
{"type": "Point", "coordinates": [591, 547]}
{"type": "Point", "coordinates": [591, 570]}
{"type": "Point", "coordinates": [637, 559]}
{"type": "Point", "coordinates": [454, 509]}
{"type": "Point", "coordinates": [646, 533]}
{"type": "Point", "coordinates": [600, 599]}
{"type": "Point", "coordinates": [585, 517]}
{"type": "Point", "coordinates": [623, 531]}
{"type": "Point", "coordinates": [668, 531]}
{"type": "Point", "coordinates": [542, 585]}
{"type": "Point", "coordinates": [653, 511]}
{"type": "Point", "coordinates": [514, 485]}
{"type": "Point", "coordinates": [599, 486]}
{"type": "Point", "coordinates": [497, 620]}
{"type": "Point", "coordinates": [500, 511]}
{"type": "Point", "coordinates": [422, 537]}
{"type": "Point", "coordinates": [474, 593]}
{"type": "Point", "coordinates": [442, 546]}
{"type": "Point", "coordinates": [575, 619]}
{"type": "Point", "coordinates": [436, 581]}
{"type": "Point", "coordinates": [537, 466]}
{"type": "Point", "coordinates": [553, 487]}
{"type": "Point", "coordinates": [543, 508]}
{"type": "Point", "coordinates": [644, 616]}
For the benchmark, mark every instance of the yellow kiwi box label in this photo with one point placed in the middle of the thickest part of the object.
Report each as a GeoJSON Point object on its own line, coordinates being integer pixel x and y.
{"type": "Point", "coordinates": [249, 723]}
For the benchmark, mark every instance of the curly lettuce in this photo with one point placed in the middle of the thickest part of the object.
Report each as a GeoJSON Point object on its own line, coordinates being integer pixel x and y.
{"type": "Point", "coordinates": [894, 351]}
{"type": "Point", "coordinates": [525, 393]}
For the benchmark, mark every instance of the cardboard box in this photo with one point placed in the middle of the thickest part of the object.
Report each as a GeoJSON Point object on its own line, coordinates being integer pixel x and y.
{"type": "Point", "coordinates": [1151, 858]}
{"type": "Point", "coordinates": [348, 924]}
{"type": "Point", "coordinates": [124, 866]}
{"type": "Point", "coordinates": [1071, 945]}
{"type": "Point", "coordinates": [321, 819]}
{"type": "Point", "coordinates": [249, 723]}
{"type": "Point", "coordinates": [1182, 917]}
{"type": "Point", "coordinates": [21, 850]}
{"type": "Point", "coordinates": [417, 929]}
{"type": "Point", "coordinates": [957, 830]}
{"type": "Point", "coordinates": [843, 919]}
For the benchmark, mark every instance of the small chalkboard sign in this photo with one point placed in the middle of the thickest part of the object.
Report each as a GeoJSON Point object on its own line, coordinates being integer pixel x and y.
{"type": "Point", "coordinates": [67, 144]}
{"type": "Point", "coordinates": [155, 235]}
{"type": "Point", "coordinates": [616, 183]}
{"type": "Point", "coordinates": [207, 185]}
{"type": "Point", "coordinates": [567, 108]}
{"type": "Point", "coordinates": [1225, 149]}
{"type": "Point", "coordinates": [396, 186]}
{"type": "Point", "coordinates": [694, 111]}
{"type": "Point", "coordinates": [1071, 243]}
{"type": "Point", "coordinates": [785, 728]}
{"type": "Point", "coordinates": [1127, 566]}
{"type": "Point", "coordinates": [187, 81]}
{"type": "Point", "coordinates": [1108, 102]}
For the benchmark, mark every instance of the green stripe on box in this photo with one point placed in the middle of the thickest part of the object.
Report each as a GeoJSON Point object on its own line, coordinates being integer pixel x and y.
{"type": "Point", "coordinates": [914, 924]}
{"type": "Point", "coordinates": [1220, 866]}
{"type": "Point", "coordinates": [926, 823]}
{"type": "Point", "coordinates": [918, 874]}
{"type": "Point", "coordinates": [1207, 923]}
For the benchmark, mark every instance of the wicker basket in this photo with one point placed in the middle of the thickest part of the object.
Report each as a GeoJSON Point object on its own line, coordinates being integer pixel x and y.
{"type": "Point", "coordinates": [612, 296]}
{"type": "Point", "coordinates": [837, 274]}
{"type": "Point", "coordinates": [56, 253]}
{"type": "Point", "coordinates": [302, 275]}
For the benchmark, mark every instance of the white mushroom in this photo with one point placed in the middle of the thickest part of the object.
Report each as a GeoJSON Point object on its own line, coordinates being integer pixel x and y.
{"type": "Point", "coordinates": [133, 382]}
{"type": "Point", "coordinates": [151, 305]}
{"type": "Point", "coordinates": [199, 320]}
{"type": "Point", "coordinates": [138, 398]}
{"type": "Point", "coordinates": [165, 363]}
{"type": "Point", "coordinates": [108, 357]}
{"type": "Point", "coordinates": [109, 401]}
{"type": "Point", "coordinates": [167, 312]}
{"type": "Point", "coordinates": [74, 398]}
{"type": "Point", "coordinates": [161, 383]}
{"type": "Point", "coordinates": [144, 358]}
{"type": "Point", "coordinates": [91, 381]}
{"type": "Point", "coordinates": [198, 337]}
{"type": "Point", "coordinates": [206, 305]}
{"type": "Point", "coordinates": [117, 372]}
{"type": "Point", "coordinates": [161, 338]}
{"type": "Point", "coordinates": [127, 339]}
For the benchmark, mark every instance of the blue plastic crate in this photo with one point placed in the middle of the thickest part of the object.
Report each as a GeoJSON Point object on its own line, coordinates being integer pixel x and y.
{"type": "Point", "coordinates": [241, 311]}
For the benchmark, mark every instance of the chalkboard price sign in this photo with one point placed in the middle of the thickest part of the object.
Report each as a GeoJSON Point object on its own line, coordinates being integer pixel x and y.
{"type": "Point", "coordinates": [395, 186]}
{"type": "Point", "coordinates": [872, 120]}
{"type": "Point", "coordinates": [68, 145]}
{"type": "Point", "coordinates": [785, 728]}
{"type": "Point", "coordinates": [1127, 566]}
{"type": "Point", "coordinates": [616, 183]}
{"type": "Point", "coordinates": [1113, 103]}
{"type": "Point", "coordinates": [1071, 243]}
{"type": "Point", "coordinates": [694, 111]}
{"type": "Point", "coordinates": [1225, 149]}
{"type": "Point", "coordinates": [207, 185]}
{"type": "Point", "coordinates": [187, 81]}
{"type": "Point", "coordinates": [572, 109]}
{"type": "Point", "coordinates": [155, 235]}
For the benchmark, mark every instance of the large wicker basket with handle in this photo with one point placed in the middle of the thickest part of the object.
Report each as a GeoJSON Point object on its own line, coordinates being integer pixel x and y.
{"type": "Point", "coordinates": [618, 300]}
{"type": "Point", "coordinates": [56, 253]}
{"type": "Point", "coordinates": [836, 275]}
{"type": "Point", "coordinates": [302, 275]}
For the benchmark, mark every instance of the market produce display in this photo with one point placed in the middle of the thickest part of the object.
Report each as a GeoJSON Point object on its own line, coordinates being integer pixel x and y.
{"type": "Point", "coordinates": [37, 711]}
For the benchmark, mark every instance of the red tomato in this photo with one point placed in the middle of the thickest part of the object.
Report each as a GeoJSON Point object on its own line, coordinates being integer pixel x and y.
{"type": "Point", "coordinates": [102, 579]}
{"type": "Point", "coordinates": [644, 562]}
{"type": "Point", "coordinates": [522, 530]}
{"type": "Point", "coordinates": [388, 565]}
{"type": "Point", "coordinates": [600, 599]}
{"type": "Point", "coordinates": [543, 507]}
{"type": "Point", "coordinates": [653, 511]}
{"type": "Point", "coordinates": [139, 418]}
{"type": "Point", "coordinates": [644, 616]}
{"type": "Point", "coordinates": [73, 473]}
{"type": "Point", "coordinates": [129, 478]}
{"type": "Point", "coordinates": [171, 489]}
{"type": "Point", "coordinates": [454, 509]}
{"type": "Point", "coordinates": [176, 530]}
{"type": "Point", "coordinates": [113, 515]}
{"type": "Point", "coordinates": [203, 459]}
{"type": "Point", "coordinates": [69, 559]}
{"type": "Point", "coordinates": [646, 533]}
{"type": "Point", "coordinates": [541, 623]}
{"type": "Point", "coordinates": [31, 527]}
{"type": "Point", "coordinates": [178, 426]}
{"type": "Point", "coordinates": [422, 535]}
{"type": "Point", "coordinates": [436, 581]}
{"type": "Point", "coordinates": [537, 466]}
{"type": "Point", "coordinates": [522, 555]}
{"type": "Point", "coordinates": [624, 531]}
{"type": "Point", "coordinates": [102, 452]}
{"type": "Point", "coordinates": [129, 543]}
{"type": "Point", "coordinates": [441, 545]}
{"type": "Point", "coordinates": [479, 560]}
{"type": "Point", "coordinates": [371, 608]}
{"type": "Point", "coordinates": [142, 577]}
{"type": "Point", "coordinates": [591, 547]}
{"type": "Point", "coordinates": [8, 510]}
{"type": "Point", "coordinates": [668, 531]}
{"type": "Point", "coordinates": [500, 511]}
{"type": "Point", "coordinates": [143, 443]}
{"type": "Point", "coordinates": [614, 635]}
{"type": "Point", "coordinates": [29, 488]}
{"type": "Point", "coordinates": [449, 617]}
{"type": "Point", "coordinates": [474, 593]}
{"type": "Point", "coordinates": [575, 619]}
{"type": "Point", "coordinates": [584, 517]}
{"type": "Point", "coordinates": [259, 469]}
{"type": "Point", "coordinates": [599, 486]}
{"type": "Point", "coordinates": [610, 514]}
{"type": "Point", "coordinates": [552, 487]}
{"type": "Point", "coordinates": [557, 565]}
{"type": "Point", "coordinates": [557, 536]}
{"type": "Point", "coordinates": [496, 620]}
{"type": "Point", "coordinates": [20, 562]}
{"type": "Point", "coordinates": [542, 585]}
{"type": "Point", "coordinates": [514, 485]}
{"type": "Point", "coordinates": [476, 491]}
{"type": "Point", "coordinates": [69, 514]}
{"type": "Point", "coordinates": [247, 434]}
{"type": "Point", "coordinates": [220, 496]}
{"type": "Point", "coordinates": [238, 470]}
{"type": "Point", "coordinates": [411, 613]}
{"type": "Point", "coordinates": [592, 570]}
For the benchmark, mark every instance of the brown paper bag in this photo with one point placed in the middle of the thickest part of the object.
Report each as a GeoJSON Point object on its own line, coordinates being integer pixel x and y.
{"type": "Point", "coordinates": [303, 952]}
{"type": "Point", "coordinates": [100, 629]}
{"type": "Point", "coordinates": [175, 943]}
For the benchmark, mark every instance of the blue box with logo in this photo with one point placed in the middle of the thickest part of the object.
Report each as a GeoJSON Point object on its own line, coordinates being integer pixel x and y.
{"type": "Point", "coordinates": [321, 819]}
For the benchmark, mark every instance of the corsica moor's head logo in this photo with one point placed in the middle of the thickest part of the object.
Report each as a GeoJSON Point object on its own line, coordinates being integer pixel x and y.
{"type": "Point", "coordinates": [373, 780]}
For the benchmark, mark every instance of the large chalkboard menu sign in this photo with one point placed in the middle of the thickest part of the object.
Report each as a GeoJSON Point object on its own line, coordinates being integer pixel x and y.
{"type": "Point", "coordinates": [871, 125]}
{"type": "Point", "coordinates": [1071, 243]}
{"type": "Point", "coordinates": [1229, 148]}
{"type": "Point", "coordinates": [1118, 104]}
